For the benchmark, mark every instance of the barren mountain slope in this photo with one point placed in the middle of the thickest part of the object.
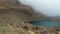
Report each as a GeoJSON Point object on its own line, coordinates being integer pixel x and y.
{"type": "Point", "coordinates": [13, 16]}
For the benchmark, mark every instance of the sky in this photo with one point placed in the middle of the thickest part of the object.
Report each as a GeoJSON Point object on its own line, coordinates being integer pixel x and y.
{"type": "Point", "coordinates": [48, 7]}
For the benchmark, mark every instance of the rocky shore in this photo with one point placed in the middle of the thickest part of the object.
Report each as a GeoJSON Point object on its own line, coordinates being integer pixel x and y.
{"type": "Point", "coordinates": [13, 16]}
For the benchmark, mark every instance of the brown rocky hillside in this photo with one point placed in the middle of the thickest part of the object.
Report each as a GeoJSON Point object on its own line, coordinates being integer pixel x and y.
{"type": "Point", "coordinates": [13, 16]}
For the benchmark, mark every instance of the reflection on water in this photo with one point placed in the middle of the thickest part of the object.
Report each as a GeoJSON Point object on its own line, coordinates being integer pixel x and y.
{"type": "Point", "coordinates": [46, 23]}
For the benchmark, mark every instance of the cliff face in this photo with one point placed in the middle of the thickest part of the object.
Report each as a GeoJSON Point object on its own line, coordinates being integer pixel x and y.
{"type": "Point", "coordinates": [9, 2]}
{"type": "Point", "coordinates": [14, 7]}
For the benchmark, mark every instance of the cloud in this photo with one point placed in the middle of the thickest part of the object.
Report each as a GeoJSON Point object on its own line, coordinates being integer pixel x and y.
{"type": "Point", "coordinates": [48, 7]}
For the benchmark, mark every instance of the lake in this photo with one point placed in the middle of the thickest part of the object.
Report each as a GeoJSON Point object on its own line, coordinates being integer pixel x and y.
{"type": "Point", "coordinates": [45, 23]}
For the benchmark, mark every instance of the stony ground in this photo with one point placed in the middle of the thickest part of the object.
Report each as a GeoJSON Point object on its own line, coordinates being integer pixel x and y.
{"type": "Point", "coordinates": [14, 25]}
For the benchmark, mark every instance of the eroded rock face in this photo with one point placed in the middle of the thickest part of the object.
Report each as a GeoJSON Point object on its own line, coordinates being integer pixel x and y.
{"type": "Point", "coordinates": [11, 2]}
{"type": "Point", "coordinates": [24, 12]}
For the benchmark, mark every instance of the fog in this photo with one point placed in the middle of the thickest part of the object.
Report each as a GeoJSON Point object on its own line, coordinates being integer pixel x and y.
{"type": "Point", "coordinates": [48, 7]}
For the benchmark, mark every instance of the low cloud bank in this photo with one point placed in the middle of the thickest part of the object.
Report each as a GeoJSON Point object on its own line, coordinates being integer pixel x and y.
{"type": "Point", "coordinates": [48, 7]}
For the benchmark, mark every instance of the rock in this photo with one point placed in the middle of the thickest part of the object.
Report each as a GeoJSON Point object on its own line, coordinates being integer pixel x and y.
{"type": "Point", "coordinates": [13, 16]}
{"type": "Point", "coordinates": [11, 2]}
{"type": "Point", "coordinates": [58, 32]}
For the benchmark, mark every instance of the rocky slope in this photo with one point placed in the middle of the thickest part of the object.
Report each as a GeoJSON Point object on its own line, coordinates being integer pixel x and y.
{"type": "Point", "coordinates": [14, 25]}
{"type": "Point", "coordinates": [13, 16]}
{"type": "Point", "coordinates": [20, 10]}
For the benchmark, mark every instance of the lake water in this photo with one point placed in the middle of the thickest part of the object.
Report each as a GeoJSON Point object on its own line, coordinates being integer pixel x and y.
{"type": "Point", "coordinates": [45, 23]}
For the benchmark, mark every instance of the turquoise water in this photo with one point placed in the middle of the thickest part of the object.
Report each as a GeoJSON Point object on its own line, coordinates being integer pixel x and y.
{"type": "Point", "coordinates": [46, 23]}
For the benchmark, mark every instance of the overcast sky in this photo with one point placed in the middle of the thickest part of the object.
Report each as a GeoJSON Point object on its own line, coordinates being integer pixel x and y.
{"type": "Point", "coordinates": [48, 7]}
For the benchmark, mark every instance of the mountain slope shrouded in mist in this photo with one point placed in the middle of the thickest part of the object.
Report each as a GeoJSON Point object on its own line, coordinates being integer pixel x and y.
{"type": "Point", "coordinates": [13, 17]}
{"type": "Point", "coordinates": [48, 7]}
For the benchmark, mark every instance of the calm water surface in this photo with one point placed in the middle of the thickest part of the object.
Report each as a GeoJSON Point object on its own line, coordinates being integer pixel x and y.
{"type": "Point", "coordinates": [46, 23]}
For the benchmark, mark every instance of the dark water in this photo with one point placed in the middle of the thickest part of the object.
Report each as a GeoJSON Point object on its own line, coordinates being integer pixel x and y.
{"type": "Point", "coordinates": [46, 23]}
